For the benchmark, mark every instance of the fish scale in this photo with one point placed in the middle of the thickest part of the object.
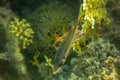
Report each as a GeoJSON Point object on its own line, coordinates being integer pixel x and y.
{"type": "Point", "coordinates": [64, 50]}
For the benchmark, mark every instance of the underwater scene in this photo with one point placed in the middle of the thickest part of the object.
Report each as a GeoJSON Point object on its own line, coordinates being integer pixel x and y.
{"type": "Point", "coordinates": [59, 39]}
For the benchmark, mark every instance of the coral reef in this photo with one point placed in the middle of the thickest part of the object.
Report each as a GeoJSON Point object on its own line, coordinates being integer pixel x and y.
{"type": "Point", "coordinates": [92, 24]}
{"type": "Point", "coordinates": [97, 62]}
{"type": "Point", "coordinates": [93, 13]}
{"type": "Point", "coordinates": [22, 30]}
{"type": "Point", "coordinates": [52, 17]}
{"type": "Point", "coordinates": [93, 18]}
{"type": "Point", "coordinates": [12, 47]}
{"type": "Point", "coordinates": [38, 20]}
{"type": "Point", "coordinates": [45, 69]}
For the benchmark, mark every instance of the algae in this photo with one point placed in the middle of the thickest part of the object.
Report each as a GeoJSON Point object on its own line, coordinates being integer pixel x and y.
{"type": "Point", "coordinates": [52, 17]}
{"type": "Point", "coordinates": [99, 48]}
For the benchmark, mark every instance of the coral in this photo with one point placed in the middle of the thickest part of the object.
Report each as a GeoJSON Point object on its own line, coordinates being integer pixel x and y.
{"type": "Point", "coordinates": [48, 61]}
{"type": "Point", "coordinates": [46, 72]}
{"type": "Point", "coordinates": [12, 51]}
{"type": "Point", "coordinates": [5, 17]}
{"type": "Point", "coordinates": [76, 47]}
{"type": "Point", "coordinates": [94, 12]}
{"type": "Point", "coordinates": [35, 60]}
{"type": "Point", "coordinates": [52, 17]}
{"type": "Point", "coordinates": [22, 30]}
{"type": "Point", "coordinates": [4, 56]}
{"type": "Point", "coordinates": [45, 69]}
{"type": "Point", "coordinates": [93, 19]}
{"type": "Point", "coordinates": [96, 62]}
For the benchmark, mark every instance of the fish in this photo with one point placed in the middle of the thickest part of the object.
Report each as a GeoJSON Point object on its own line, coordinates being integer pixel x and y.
{"type": "Point", "coordinates": [63, 51]}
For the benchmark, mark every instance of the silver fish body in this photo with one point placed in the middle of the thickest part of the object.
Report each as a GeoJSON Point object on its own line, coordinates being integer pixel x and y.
{"type": "Point", "coordinates": [64, 49]}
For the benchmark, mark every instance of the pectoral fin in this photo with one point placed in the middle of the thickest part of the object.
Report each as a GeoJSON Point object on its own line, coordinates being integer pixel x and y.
{"type": "Point", "coordinates": [59, 40]}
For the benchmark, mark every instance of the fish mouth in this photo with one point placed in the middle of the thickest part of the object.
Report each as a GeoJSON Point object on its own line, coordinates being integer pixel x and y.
{"type": "Point", "coordinates": [56, 69]}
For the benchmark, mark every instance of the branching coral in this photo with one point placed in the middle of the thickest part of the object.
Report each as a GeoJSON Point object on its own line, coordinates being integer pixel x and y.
{"type": "Point", "coordinates": [22, 30]}
{"type": "Point", "coordinates": [94, 13]}
{"type": "Point", "coordinates": [12, 47]}
{"type": "Point", "coordinates": [92, 17]}
{"type": "Point", "coordinates": [48, 62]}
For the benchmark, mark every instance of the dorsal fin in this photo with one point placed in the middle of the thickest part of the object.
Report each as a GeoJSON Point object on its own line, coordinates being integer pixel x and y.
{"type": "Point", "coordinates": [58, 39]}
